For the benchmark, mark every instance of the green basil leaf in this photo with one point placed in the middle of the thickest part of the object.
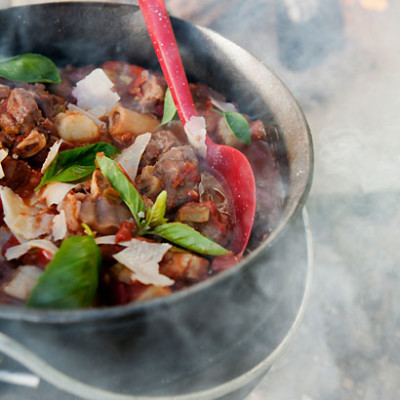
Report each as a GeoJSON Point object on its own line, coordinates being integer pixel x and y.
{"type": "Point", "coordinates": [169, 108]}
{"type": "Point", "coordinates": [30, 68]}
{"type": "Point", "coordinates": [75, 164]}
{"type": "Point", "coordinates": [71, 278]}
{"type": "Point", "coordinates": [185, 236]}
{"type": "Point", "coordinates": [238, 125]}
{"type": "Point", "coordinates": [128, 193]}
{"type": "Point", "coordinates": [157, 212]}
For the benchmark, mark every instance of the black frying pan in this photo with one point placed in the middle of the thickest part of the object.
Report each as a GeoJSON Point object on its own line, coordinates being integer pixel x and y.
{"type": "Point", "coordinates": [214, 332]}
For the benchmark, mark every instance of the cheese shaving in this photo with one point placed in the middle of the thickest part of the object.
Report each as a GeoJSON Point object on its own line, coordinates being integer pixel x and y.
{"type": "Point", "coordinates": [110, 239]}
{"type": "Point", "coordinates": [130, 157]}
{"type": "Point", "coordinates": [17, 215]}
{"type": "Point", "coordinates": [95, 90]}
{"type": "Point", "coordinates": [223, 105]}
{"type": "Point", "coordinates": [93, 113]}
{"type": "Point", "coordinates": [59, 226]}
{"type": "Point", "coordinates": [23, 282]}
{"type": "Point", "coordinates": [51, 155]}
{"type": "Point", "coordinates": [196, 133]}
{"type": "Point", "coordinates": [17, 251]}
{"type": "Point", "coordinates": [56, 191]}
{"type": "Point", "coordinates": [3, 155]}
{"type": "Point", "coordinates": [142, 258]}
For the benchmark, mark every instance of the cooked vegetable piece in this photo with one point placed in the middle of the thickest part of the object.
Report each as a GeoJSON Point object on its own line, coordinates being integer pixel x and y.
{"type": "Point", "coordinates": [185, 236]}
{"type": "Point", "coordinates": [71, 278]}
{"type": "Point", "coordinates": [30, 68]}
{"type": "Point", "coordinates": [75, 164]}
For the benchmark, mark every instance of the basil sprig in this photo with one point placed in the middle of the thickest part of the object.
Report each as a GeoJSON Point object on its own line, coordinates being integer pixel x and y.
{"type": "Point", "coordinates": [169, 108]}
{"type": "Point", "coordinates": [237, 124]}
{"type": "Point", "coordinates": [152, 221]}
{"type": "Point", "coordinates": [185, 236]}
{"type": "Point", "coordinates": [75, 164]}
{"type": "Point", "coordinates": [71, 278]}
{"type": "Point", "coordinates": [30, 68]}
{"type": "Point", "coordinates": [128, 193]}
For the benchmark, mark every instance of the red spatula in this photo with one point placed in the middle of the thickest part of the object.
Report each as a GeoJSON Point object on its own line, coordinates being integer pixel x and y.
{"type": "Point", "coordinates": [231, 164]}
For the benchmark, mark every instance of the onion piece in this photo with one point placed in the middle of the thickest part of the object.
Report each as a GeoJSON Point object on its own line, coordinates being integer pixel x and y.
{"type": "Point", "coordinates": [56, 191]}
{"type": "Point", "coordinates": [95, 90]}
{"type": "Point", "coordinates": [196, 133]}
{"type": "Point", "coordinates": [92, 114]}
{"type": "Point", "coordinates": [17, 251]}
{"type": "Point", "coordinates": [142, 258]}
{"type": "Point", "coordinates": [51, 155]}
{"type": "Point", "coordinates": [23, 282]}
{"type": "Point", "coordinates": [3, 155]}
{"type": "Point", "coordinates": [129, 158]}
{"type": "Point", "coordinates": [59, 226]}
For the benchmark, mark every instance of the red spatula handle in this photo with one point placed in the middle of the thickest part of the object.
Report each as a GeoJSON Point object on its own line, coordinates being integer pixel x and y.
{"type": "Point", "coordinates": [164, 42]}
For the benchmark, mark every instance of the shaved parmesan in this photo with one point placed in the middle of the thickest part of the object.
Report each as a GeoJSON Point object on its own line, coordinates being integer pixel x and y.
{"type": "Point", "coordinates": [23, 282]}
{"type": "Point", "coordinates": [59, 226]}
{"type": "Point", "coordinates": [17, 215]}
{"type": "Point", "coordinates": [196, 133]}
{"type": "Point", "coordinates": [56, 191]}
{"type": "Point", "coordinates": [130, 157]}
{"type": "Point", "coordinates": [223, 105]}
{"type": "Point", "coordinates": [51, 155]}
{"type": "Point", "coordinates": [110, 239]}
{"type": "Point", "coordinates": [3, 155]}
{"type": "Point", "coordinates": [17, 251]}
{"type": "Point", "coordinates": [93, 114]}
{"type": "Point", "coordinates": [142, 258]}
{"type": "Point", "coordinates": [95, 90]}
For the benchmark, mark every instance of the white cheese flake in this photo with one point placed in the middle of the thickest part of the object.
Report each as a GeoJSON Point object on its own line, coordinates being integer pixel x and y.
{"type": "Point", "coordinates": [3, 155]}
{"type": "Point", "coordinates": [59, 226]}
{"type": "Point", "coordinates": [195, 131]}
{"type": "Point", "coordinates": [142, 258]}
{"type": "Point", "coordinates": [129, 158]}
{"type": "Point", "coordinates": [23, 282]}
{"type": "Point", "coordinates": [56, 191]}
{"type": "Point", "coordinates": [93, 113]}
{"type": "Point", "coordinates": [54, 149]}
{"type": "Point", "coordinates": [95, 90]}
{"type": "Point", "coordinates": [17, 251]}
{"type": "Point", "coordinates": [17, 215]}
{"type": "Point", "coordinates": [223, 105]}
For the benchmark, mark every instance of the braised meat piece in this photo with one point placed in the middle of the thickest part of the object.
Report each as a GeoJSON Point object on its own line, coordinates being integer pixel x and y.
{"type": "Point", "coordinates": [177, 170]}
{"type": "Point", "coordinates": [205, 218]}
{"type": "Point", "coordinates": [23, 107]}
{"type": "Point", "coordinates": [160, 142]}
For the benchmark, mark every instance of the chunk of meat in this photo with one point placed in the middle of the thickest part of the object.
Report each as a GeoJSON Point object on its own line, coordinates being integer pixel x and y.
{"type": "Point", "coordinates": [177, 169]}
{"type": "Point", "coordinates": [205, 218]}
{"type": "Point", "coordinates": [148, 184]}
{"type": "Point", "coordinates": [102, 215]}
{"type": "Point", "coordinates": [20, 177]}
{"type": "Point", "coordinates": [23, 107]}
{"type": "Point", "coordinates": [183, 266]}
{"type": "Point", "coordinates": [160, 142]}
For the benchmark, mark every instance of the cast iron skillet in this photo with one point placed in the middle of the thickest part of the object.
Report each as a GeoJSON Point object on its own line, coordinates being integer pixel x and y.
{"type": "Point", "coordinates": [163, 340]}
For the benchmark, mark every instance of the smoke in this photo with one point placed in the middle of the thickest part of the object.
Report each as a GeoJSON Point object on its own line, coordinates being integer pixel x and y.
{"type": "Point", "coordinates": [347, 347]}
